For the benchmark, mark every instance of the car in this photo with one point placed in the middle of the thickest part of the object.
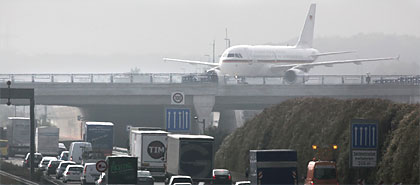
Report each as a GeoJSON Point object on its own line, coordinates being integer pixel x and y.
{"type": "Point", "coordinates": [183, 183]}
{"type": "Point", "coordinates": [101, 180]}
{"type": "Point", "coordinates": [243, 183]}
{"type": "Point", "coordinates": [37, 159]}
{"type": "Point", "coordinates": [44, 162]}
{"type": "Point", "coordinates": [90, 174]}
{"type": "Point", "coordinates": [145, 177]}
{"type": "Point", "coordinates": [221, 176]}
{"type": "Point", "coordinates": [180, 179]}
{"type": "Point", "coordinates": [64, 156]}
{"type": "Point", "coordinates": [52, 167]}
{"type": "Point", "coordinates": [4, 147]}
{"type": "Point", "coordinates": [72, 173]}
{"type": "Point", "coordinates": [61, 167]}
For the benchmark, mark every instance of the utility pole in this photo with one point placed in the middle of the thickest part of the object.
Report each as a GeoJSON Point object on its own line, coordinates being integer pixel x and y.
{"type": "Point", "coordinates": [21, 93]}
{"type": "Point", "coordinates": [214, 48]}
{"type": "Point", "coordinates": [227, 40]}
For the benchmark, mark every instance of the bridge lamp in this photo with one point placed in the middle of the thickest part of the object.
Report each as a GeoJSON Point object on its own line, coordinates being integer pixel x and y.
{"type": "Point", "coordinates": [314, 147]}
{"type": "Point", "coordinates": [335, 147]}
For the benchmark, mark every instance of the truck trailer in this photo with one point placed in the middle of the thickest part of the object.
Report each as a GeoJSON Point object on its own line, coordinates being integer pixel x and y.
{"type": "Point", "coordinates": [100, 135]}
{"type": "Point", "coordinates": [18, 135]}
{"type": "Point", "coordinates": [131, 136]}
{"type": "Point", "coordinates": [190, 155]}
{"type": "Point", "coordinates": [270, 167]}
{"type": "Point", "coordinates": [150, 147]}
{"type": "Point", "coordinates": [46, 140]}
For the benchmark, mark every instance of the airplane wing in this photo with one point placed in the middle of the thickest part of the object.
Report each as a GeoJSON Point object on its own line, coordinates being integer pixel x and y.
{"type": "Point", "coordinates": [307, 66]}
{"type": "Point", "coordinates": [192, 62]}
{"type": "Point", "coordinates": [332, 53]}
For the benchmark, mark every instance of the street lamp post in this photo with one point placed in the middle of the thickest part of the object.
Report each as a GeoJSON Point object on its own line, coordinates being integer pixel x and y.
{"type": "Point", "coordinates": [203, 122]}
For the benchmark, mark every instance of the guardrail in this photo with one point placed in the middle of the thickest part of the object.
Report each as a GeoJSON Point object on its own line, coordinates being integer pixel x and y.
{"type": "Point", "coordinates": [186, 78]}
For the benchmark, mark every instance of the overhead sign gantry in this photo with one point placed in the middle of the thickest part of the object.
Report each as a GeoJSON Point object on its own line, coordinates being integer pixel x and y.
{"type": "Point", "coordinates": [23, 93]}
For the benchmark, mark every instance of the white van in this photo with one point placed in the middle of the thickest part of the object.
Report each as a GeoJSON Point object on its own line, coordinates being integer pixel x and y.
{"type": "Point", "coordinates": [77, 149]}
{"type": "Point", "coordinates": [90, 174]}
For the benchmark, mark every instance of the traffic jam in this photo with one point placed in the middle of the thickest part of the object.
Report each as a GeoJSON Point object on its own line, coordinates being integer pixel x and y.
{"type": "Point", "coordinates": [154, 156]}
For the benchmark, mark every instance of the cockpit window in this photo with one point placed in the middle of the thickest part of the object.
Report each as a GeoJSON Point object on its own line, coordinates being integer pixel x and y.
{"type": "Point", "coordinates": [234, 55]}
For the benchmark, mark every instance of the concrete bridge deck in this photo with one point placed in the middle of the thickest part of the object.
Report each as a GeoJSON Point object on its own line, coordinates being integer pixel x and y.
{"type": "Point", "coordinates": [142, 98]}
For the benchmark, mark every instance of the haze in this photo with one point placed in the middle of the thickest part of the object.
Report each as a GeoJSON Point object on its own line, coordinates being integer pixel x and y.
{"type": "Point", "coordinates": [79, 36]}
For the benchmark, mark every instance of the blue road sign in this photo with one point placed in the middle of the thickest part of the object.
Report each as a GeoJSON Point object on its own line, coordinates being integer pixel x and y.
{"type": "Point", "coordinates": [364, 135]}
{"type": "Point", "coordinates": [178, 119]}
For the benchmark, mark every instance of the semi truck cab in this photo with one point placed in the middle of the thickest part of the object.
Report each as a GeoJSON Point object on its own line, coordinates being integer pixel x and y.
{"type": "Point", "coordinates": [321, 172]}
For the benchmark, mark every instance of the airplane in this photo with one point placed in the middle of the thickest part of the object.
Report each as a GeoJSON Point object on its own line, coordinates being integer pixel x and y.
{"type": "Point", "coordinates": [290, 62]}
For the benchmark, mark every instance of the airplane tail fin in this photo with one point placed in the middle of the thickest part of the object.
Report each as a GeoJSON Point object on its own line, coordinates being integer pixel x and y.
{"type": "Point", "coordinates": [306, 37]}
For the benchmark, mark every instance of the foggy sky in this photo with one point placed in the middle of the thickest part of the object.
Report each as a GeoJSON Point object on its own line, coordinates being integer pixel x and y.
{"type": "Point", "coordinates": [180, 28]}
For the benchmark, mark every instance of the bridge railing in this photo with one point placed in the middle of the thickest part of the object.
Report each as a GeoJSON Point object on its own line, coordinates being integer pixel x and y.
{"type": "Point", "coordinates": [327, 80]}
{"type": "Point", "coordinates": [155, 78]}
{"type": "Point", "coordinates": [178, 78]}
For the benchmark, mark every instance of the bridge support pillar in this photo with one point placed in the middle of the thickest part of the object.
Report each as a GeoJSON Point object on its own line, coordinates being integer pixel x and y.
{"type": "Point", "coordinates": [227, 121]}
{"type": "Point", "coordinates": [203, 106]}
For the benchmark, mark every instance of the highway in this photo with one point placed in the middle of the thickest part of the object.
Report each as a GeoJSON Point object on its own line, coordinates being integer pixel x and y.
{"type": "Point", "coordinates": [18, 159]}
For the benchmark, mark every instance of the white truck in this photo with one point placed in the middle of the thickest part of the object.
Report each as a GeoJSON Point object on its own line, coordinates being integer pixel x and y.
{"type": "Point", "coordinates": [131, 128]}
{"type": "Point", "coordinates": [149, 147]}
{"type": "Point", "coordinates": [18, 135]}
{"type": "Point", "coordinates": [46, 140]}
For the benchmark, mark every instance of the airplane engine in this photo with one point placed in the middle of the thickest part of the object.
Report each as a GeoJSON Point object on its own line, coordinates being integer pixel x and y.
{"type": "Point", "coordinates": [293, 76]}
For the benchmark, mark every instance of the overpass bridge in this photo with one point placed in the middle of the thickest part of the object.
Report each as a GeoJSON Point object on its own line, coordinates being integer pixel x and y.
{"type": "Point", "coordinates": [142, 98]}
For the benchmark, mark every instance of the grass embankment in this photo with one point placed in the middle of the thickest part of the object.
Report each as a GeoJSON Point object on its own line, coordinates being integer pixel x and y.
{"type": "Point", "coordinates": [299, 123]}
{"type": "Point", "coordinates": [20, 171]}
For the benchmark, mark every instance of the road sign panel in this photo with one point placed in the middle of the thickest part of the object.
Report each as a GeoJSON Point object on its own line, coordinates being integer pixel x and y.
{"type": "Point", "coordinates": [101, 166]}
{"type": "Point", "coordinates": [364, 134]}
{"type": "Point", "coordinates": [364, 158]}
{"type": "Point", "coordinates": [178, 98]}
{"type": "Point", "coordinates": [178, 119]}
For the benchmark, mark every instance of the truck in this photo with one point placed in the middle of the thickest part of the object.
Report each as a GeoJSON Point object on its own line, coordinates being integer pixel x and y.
{"type": "Point", "coordinates": [18, 135]}
{"type": "Point", "coordinates": [190, 155]}
{"type": "Point", "coordinates": [100, 135]}
{"type": "Point", "coordinates": [120, 170]}
{"type": "Point", "coordinates": [322, 168]}
{"type": "Point", "coordinates": [149, 146]}
{"type": "Point", "coordinates": [131, 128]}
{"type": "Point", "coordinates": [275, 166]}
{"type": "Point", "coordinates": [46, 140]}
{"type": "Point", "coordinates": [321, 172]}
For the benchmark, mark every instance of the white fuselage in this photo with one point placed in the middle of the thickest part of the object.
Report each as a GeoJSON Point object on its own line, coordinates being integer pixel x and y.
{"type": "Point", "coordinates": [246, 60]}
